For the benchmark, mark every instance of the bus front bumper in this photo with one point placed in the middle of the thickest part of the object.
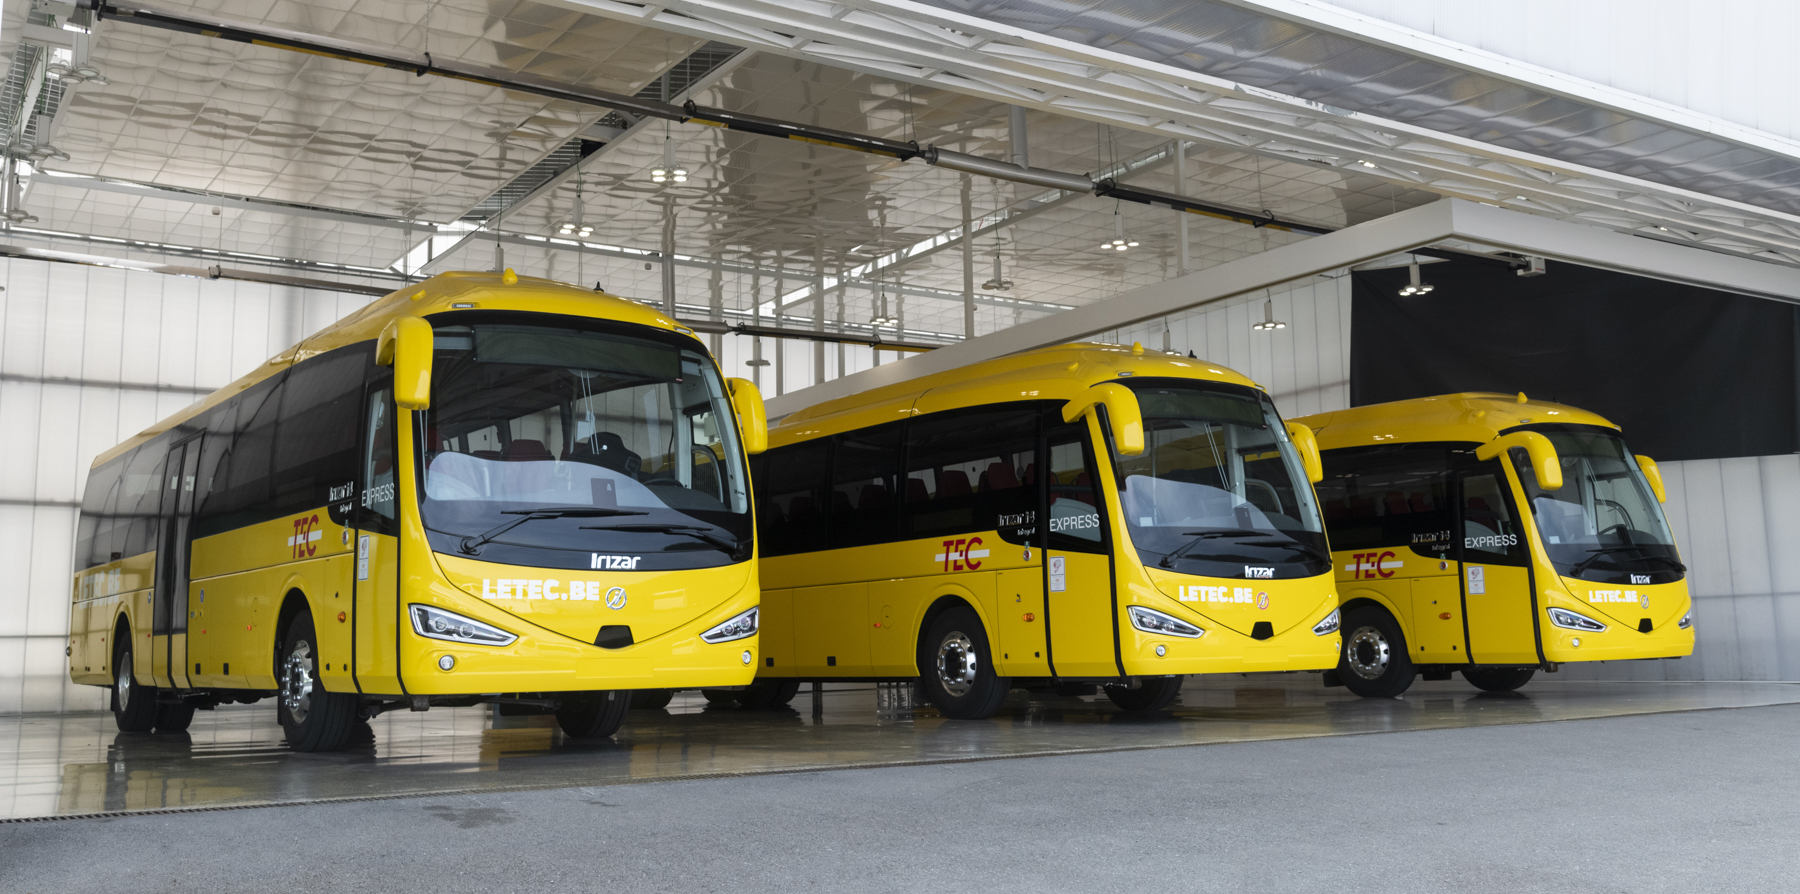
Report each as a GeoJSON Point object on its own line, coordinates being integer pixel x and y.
{"type": "Point", "coordinates": [1225, 651]}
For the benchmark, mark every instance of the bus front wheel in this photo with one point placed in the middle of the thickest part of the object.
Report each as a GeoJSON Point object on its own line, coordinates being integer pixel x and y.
{"type": "Point", "coordinates": [134, 705]}
{"type": "Point", "coordinates": [1374, 663]}
{"type": "Point", "coordinates": [1498, 679]}
{"type": "Point", "coordinates": [1153, 694]}
{"type": "Point", "coordinates": [768, 695]}
{"type": "Point", "coordinates": [958, 667]}
{"type": "Point", "coordinates": [592, 715]}
{"type": "Point", "coordinates": [312, 718]}
{"type": "Point", "coordinates": [651, 699]}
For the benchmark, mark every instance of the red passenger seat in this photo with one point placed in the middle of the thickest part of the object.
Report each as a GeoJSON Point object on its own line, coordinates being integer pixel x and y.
{"type": "Point", "coordinates": [953, 484]}
{"type": "Point", "coordinates": [526, 449]}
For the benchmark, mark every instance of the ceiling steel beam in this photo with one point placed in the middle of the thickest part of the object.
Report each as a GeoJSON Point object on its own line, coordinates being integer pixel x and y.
{"type": "Point", "coordinates": [244, 203]}
{"type": "Point", "coordinates": [966, 54]}
{"type": "Point", "coordinates": [1450, 219]}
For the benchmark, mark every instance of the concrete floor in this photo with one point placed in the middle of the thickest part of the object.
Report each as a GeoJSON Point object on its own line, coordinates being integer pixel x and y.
{"type": "Point", "coordinates": [1649, 791]}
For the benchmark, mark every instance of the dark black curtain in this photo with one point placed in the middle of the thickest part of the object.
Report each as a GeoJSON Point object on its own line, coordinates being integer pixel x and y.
{"type": "Point", "coordinates": [1689, 373]}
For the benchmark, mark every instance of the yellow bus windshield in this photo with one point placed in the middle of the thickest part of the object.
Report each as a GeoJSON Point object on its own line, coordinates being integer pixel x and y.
{"type": "Point", "coordinates": [1219, 486]}
{"type": "Point", "coordinates": [548, 447]}
{"type": "Point", "coordinates": [1603, 524]}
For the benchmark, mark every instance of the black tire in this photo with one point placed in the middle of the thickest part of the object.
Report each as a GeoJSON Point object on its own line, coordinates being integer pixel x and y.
{"type": "Point", "coordinates": [313, 718]}
{"type": "Point", "coordinates": [720, 696]}
{"type": "Point", "coordinates": [174, 718]}
{"type": "Point", "coordinates": [651, 699]}
{"type": "Point", "coordinates": [1155, 694]}
{"type": "Point", "coordinates": [1375, 662]}
{"type": "Point", "coordinates": [958, 667]}
{"type": "Point", "coordinates": [592, 715]}
{"type": "Point", "coordinates": [767, 695]}
{"type": "Point", "coordinates": [134, 705]}
{"type": "Point", "coordinates": [1498, 679]}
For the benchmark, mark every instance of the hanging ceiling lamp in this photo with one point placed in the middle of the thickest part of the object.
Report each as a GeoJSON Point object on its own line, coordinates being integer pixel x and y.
{"type": "Point", "coordinates": [576, 226]}
{"type": "Point", "coordinates": [1119, 242]}
{"type": "Point", "coordinates": [668, 171]}
{"type": "Point", "coordinates": [999, 283]}
{"type": "Point", "coordinates": [1415, 287]}
{"type": "Point", "coordinates": [1268, 323]}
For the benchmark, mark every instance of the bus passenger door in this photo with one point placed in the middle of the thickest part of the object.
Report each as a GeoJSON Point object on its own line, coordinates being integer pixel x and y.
{"type": "Point", "coordinates": [1496, 577]}
{"type": "Point", "coordinates": [1078, 576]}
{"type": "Point", "coordinates": [169, 601]}
{"type": "Point", "coordinates": [378, 620]}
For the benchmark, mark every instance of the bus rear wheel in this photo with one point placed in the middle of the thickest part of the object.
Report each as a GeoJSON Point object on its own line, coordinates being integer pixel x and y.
{"type": "Point", "coordinates": [134, 706]}
{"type": "Point", "coordinates": [1374, 663]}
{"type": "Point", "coordinates": [720, 697]}
{"type": "Point", "coordinates": [958, 667]}
{"type": "Point", "coordinates": [1498, 679]}
{"type": "Point", "coordinates": [314, 719]}
{"type": "Point", "coordinates": [174, 718]}
{"type": "Point", "coordinates": [592, 715]}
{"type": "Point", "coordinates": [768, 695]}
{"type": "Point", "coordinates": [1153, 694]}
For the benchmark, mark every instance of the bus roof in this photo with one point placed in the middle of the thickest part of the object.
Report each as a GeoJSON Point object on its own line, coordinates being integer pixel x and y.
{"type": "Point", "coordinates": [445, 291]}
{"type": "Point", "coordinates": [1061, 372]}
{"type": "Point", "coordinates": [1476, 416]}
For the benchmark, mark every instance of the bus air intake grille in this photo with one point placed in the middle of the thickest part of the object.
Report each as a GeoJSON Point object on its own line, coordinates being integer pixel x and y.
{"type": "Point", "coordinates": [1263, 630]}
{"type": "Point", "coordinates": [1644, 625]}
{"type": "Point", "coordinates": [613, 636]}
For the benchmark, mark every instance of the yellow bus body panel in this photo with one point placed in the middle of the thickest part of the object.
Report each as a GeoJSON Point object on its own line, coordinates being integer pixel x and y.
{"type": "Point", "coordinates": [246, 574]}
{"type": "Point", "coordinates": [1479, 417]}
{"type": "Point", "coordinates": [859, 612]}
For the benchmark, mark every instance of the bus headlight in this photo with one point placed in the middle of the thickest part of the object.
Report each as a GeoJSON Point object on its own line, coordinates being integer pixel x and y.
{"type": "Point", "coordinates": [737, 628]}
{"type": "Point", "coordinates": [1153, 621]}
{"type": "Point", "coordinates": [435, 623]}
{"type": "Point", "coordinates": [1329, 625]}
{"type": "Point", "coordinates": [1687, 620]}
{"type": "Point", "coordinates": [1562, 617]}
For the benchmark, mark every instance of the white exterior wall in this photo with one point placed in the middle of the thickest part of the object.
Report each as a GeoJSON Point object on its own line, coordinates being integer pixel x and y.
{"type": "Point", "coordinates": [88, 357]}
{"type": "Point", "coordinates": [1732, 59]}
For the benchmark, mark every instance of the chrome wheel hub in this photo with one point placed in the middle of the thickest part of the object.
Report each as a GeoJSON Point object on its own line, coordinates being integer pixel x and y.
{"type": "Point", "coordinates": [297, 681]}
{"type": "Point", "coordinates": [956, 664]}
{"type": "Point", "coordinates": [1366, 651]}
{"type": "Point", "coordinates": [122, 681]}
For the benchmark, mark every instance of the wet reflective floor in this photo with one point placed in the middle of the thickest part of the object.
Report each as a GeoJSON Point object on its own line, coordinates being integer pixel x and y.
{"type": "Point", "coordinates": [81, 765]}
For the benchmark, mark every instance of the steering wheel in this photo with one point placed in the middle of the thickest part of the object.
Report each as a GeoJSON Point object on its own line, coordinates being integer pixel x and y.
{"type": "Point", "coordinates": [1624, 532]}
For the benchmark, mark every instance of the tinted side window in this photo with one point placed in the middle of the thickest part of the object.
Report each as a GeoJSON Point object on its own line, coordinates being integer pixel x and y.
{"type": "Point", "coordinates": [967, 468]}
{"type": "Point", "coordinates": [94, 534]}
{"type": "Point", "coordinates": [140, 500]}
{"type": "Point", "coordinates": [240, 482]}
{"type": "Point", "coordinates": [316, 443]}
{"type": "Point", "coordinates": [865, 470]}
{"type": "Point", "coordinates": [1491, 531]}
{"type": "Point", "coordinates": [791, 494]}
{"type": "Point", "coordinates": [1389, 497]}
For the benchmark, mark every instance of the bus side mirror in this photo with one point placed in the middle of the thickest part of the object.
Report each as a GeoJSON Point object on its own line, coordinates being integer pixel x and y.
{"type": "Point", "coordinates": [1308, 446]}
{"type": "Point", "coordinates": [1121, 412]}
{"type": "Point", "coordinates": [406, 345]}
{"type": "Point", "coordinates": [753, 418]}
{"type": "Point", "coordinates": [1653, 475]}
{"type": "Point", "coordinates": [1543, 455]}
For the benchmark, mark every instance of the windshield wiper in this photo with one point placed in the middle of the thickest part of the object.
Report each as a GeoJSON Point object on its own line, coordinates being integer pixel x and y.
{"type": "Point", "coordinates": [1168, 561]}
{"type": "Point", "coordinates": [1604, 551]}
{"type": "Point", "coordinates": [471, 544]}
{"type": "Point", "coordinates": [704, 535]}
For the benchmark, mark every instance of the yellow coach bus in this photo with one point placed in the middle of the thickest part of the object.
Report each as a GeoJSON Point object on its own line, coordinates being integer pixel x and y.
{"type": "Point", "coordinates": [1495, 536]}
{"type": "Point", "coordinates": [483, 488]}
{"type": "Point", "coordinates": [1089, 514]}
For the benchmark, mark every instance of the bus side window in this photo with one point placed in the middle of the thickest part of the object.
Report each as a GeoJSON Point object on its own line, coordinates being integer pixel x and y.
{"type": "Point", "coordinates": [94, 537]}
{"type": "Point", "coordinates": [966, 470]}
{"type": "Point", "coordinates": [379, 488]}
{"type": "Point", "coordinates": [140, 501]}
{"type": "Point", "coordinates": [1074, 503]}
{"type": "Point", "coordinates": [1389, 497]}
{"type": "Point", "coordinates": [865, 468]}
{"type": "Point", "coordinates": [239, 492]}
{"type": "Point", "coordinates": [791, 498]}
{"type": "Point", "coordinates": [1491, 534]}
{"type": "Point", "coordinates": [315, 444]}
